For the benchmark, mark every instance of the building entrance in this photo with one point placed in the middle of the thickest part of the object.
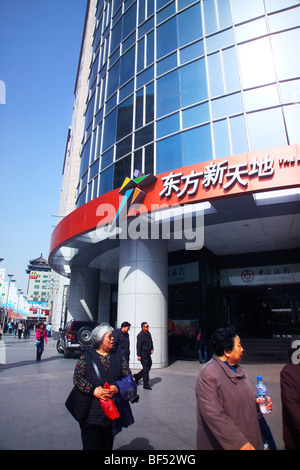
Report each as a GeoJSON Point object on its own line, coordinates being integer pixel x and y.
{"type": "Point", "coordinates": [263, 312]}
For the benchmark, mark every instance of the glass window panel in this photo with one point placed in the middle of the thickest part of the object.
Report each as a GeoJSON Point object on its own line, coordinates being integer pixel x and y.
{"type": "Point", "coordinates": [150, 8]}
{"type": "Point", "coordinates": [113, 79]}
{"type": "Point", "coordinates": [98, 148]}
{"type": "Point", "coordinates": [197, 145]}
{"type": "Point", "coordinates": [123, 147]}
{"type": "Point", "coordinates": [189, 25]}
{"type": "Point", "coordinates": [115, 36]}
{"type": "Point", "coordinates": [129, 21]}
{"type": "Point", "coordinates": [94, 169]}
{"type": "Point", "coordinates": [290, 91]}
{"type": "Point", "coordinates": [243, 10]}
{"type": "Point", "coordinates": [192, 52]}
{"type": "Point", "coordinates": [106, 181]}
{"type": "Point", "coordinates": [144, 135]}
{"type": "Point", "coordinates": [184, 3]}
{"type": "Point", "coordinates": [85, 158]}
{"type": "Point", "coordinates": [287, 57]}
{"type": "Point", "coordinates": [227, 105]}
{"type": "Point", "coordinates": [109, 133]}
{"type": "Point", "coordinates": [145, 77]}
{"type": "Point", "coordinates": [292, 119]}
{"type": "Point", "coordinates": [138, 160]}
{"type": "Point", "coordinates": [260, 98]}
{"type": "Point", "coordinates": [220, 40]}
{"type": "Point", "coordinates": [238, 135]}
{"type": "Point", "coordinates": [107, 158]}
{"type": "Point", "coordinates": [215, 74]}
{"type": "Point", "coordinates": [122, 169]}
{"type": "Point", "coordinates": [127, 66]}
{"type": "Point", "coordinates": [195, 116]}
{"type": "Point", "coordinates": [251, 30]}
{"type": "Point", "coordinates": [193, 83]}
{"type": "Point", "coordinates": [230, 70]}
{"type": "Point", "coordinates": [165, 13]}
{"type": "Point", "coordinates": [141, 11]}
{"type": "Point", "coordinates": [139, 107]}
{"type": "Point", "coordinates": [266, 129]}
{"type": "Point", "coordinates": [141, 55]}
{"type": "Point", "coordinates": [161, 3]}
{"type": "Point", "coordinates": [111, 103]}
{"type": "Point", "coordinates": [125, 118]}
{"type": "Point", "coordinates": [256, 63]}
{"type": "Point", "coordinates": [168, 154]}
{"type": "Point", "coordinates": [224, 13]}
{"type": "Point", "coordinates": [81, 199]}
{"type": "Point", "coordinates": [168, 94]}
{"type": "Point", "coordinates": [126, 90]}
{"type": "Point", "coordinates": [149, 159]}
{"type": "Point", "coordinates": [95, 188]}
{"type": "Point", "coordinates": [210, 16]}
{"type": "Point", "coordinates": [166, 38]}
{"type": "Point", "coordinates": [128, 42]}
{"type": "Point", "coordinates": [149, 102]}
{"type": "Point", "coordinates": [150, 48]}
{"type": "Point", "coordinates": [167, 126]}
{"type": "Point", "coordinates": [146, 27]}
{"type": "Point", "coordinates": [221, 139]}
{"type": "Point", "coordinates": [167, 64]}
{"type": "Point", "coordinates": [274, 5]}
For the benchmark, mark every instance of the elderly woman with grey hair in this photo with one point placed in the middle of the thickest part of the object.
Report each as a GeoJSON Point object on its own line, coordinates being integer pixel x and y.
{"type": "Point", "coordinates": [96, 430]}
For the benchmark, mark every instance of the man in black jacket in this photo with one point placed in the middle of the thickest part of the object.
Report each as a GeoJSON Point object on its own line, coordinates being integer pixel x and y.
{"type": "Point", "coordinates": [144, 349]}
{"type": "Point", "coordinates": [121, 341]}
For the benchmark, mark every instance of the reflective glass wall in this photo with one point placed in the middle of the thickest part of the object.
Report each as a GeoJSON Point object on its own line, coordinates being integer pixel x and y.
{"type": "Point", "coordinates": [177, 82]}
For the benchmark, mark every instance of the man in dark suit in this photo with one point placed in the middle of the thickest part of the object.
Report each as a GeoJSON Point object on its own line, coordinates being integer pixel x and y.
{"type": "Point", "coordinates": [121, 341]}
{"type": "Point", "coordinates": [144, 350]}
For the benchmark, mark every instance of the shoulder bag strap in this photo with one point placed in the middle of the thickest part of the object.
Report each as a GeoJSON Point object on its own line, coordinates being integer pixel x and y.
{"type": "Point", "coordinates": [96, 370]}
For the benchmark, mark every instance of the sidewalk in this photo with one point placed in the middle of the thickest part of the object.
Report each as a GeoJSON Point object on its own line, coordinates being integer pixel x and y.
{"type": "Point", "coordinates": [33, 415]}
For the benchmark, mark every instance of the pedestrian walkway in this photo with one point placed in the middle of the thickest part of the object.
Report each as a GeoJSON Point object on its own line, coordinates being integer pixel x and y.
{"type": "Point", "coordinates": [33, 415]}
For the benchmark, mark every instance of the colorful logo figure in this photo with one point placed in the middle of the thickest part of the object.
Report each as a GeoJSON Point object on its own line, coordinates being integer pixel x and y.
{"type": "Point", "coordinates": [132, 193]}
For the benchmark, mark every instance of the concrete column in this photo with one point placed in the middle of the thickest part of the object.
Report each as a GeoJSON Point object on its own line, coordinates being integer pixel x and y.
{"type": "Point", "coordinates": [143, 294]}
{"type": "Point", "coordinates": [104, 302]}
{"type": "Point", "coordinates": [84, 293]}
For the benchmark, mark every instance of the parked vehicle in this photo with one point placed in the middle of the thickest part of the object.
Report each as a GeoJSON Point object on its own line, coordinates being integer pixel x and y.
{"type": "Point", "coordinates": [75, 337]}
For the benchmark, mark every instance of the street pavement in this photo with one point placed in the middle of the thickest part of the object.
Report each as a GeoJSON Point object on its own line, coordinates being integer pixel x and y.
{"type": "Point", "coordinates": [33, 415]}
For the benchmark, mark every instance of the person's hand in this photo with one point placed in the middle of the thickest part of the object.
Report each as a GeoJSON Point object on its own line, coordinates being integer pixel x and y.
{"type": "Point", "coordinates": [105, 393]}
{"type": "Point", "coordinates": [247, 446]}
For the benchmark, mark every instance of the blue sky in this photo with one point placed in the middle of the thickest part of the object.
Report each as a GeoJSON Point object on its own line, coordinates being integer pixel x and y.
{"type": "Point", "coordinates": [39, 50]}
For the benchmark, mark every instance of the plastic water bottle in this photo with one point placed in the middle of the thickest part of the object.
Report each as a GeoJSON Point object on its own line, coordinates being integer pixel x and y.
{"type": "Point", "coordinates": [262, 395]}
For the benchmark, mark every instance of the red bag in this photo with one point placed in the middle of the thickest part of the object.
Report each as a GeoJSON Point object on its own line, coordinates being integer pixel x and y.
{"type": "Point", "coordinates": [109, 408]}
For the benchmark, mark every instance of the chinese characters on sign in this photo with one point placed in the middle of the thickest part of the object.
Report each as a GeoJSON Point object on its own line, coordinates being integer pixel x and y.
{"type": "Point", "coordinates": [216, 174]}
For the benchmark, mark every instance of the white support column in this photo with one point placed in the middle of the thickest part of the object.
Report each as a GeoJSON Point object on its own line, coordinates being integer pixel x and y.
{"type": "Point", "coordinates": [143, 294]}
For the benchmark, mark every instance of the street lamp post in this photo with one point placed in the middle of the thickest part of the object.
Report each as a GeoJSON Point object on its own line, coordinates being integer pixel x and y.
{"type": "Point", "coordinates": [9, 283]}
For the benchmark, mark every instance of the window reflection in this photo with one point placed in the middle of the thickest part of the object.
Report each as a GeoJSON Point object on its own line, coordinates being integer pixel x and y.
{"type": "Point", "coordinates": [266, 129]}
{"type": "Point", "coordinates": [168, 154]}
{"type": "Point", "coordinates": [196, 145]}
{"type": "Point", "coordinates": [292, 119]}
{"type": "Point", "coordinates": [286, 55]}
{"type": "Point", "coordinates": [256, 63]}
{"type": "Point", "coordinates": [189, 25]}
{"type": "Point", "coordinates": [263, 97]}
{"type": "Point", "coordinates": [238, 135]}
{"type": "Point", "coordinates": [166, 38]}
{"type": "Point", "coordinates": [193, 83]}
{"type": "Point", "coordinates": [196, 115]}
{"type": "Point", "coordinates": [221, 139]}
{"type": "Point", "coordinates": [167, 126]}
{"type": "Point", "coordinates": [243, 10]}
{"type": "Point", "coordinates": [168, 94]}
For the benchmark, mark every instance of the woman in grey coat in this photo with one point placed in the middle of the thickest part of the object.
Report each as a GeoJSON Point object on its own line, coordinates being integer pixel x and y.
{"type": "Point", "coordinates": [226, 405]}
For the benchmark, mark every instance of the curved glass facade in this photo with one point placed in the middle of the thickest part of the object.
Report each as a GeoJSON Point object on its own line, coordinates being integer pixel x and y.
{"type": "Point", "coordinates": [177, 82]}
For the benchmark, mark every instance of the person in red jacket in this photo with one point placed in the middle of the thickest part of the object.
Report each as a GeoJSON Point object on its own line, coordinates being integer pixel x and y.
{"type": "Point", "coordinates": [290, 399]}
{"type": "Point", "coordinates": [41, 339]}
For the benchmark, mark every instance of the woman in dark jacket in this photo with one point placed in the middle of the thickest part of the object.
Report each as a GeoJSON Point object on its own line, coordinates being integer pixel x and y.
{"type": "Point", "coordinates": [96, 430]}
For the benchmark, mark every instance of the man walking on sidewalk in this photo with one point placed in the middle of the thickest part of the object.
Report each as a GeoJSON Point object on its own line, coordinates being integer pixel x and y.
{"type": "Point", "coordinates": [144, 350]}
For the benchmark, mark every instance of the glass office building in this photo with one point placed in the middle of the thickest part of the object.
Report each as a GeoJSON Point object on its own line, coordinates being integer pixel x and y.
{"type": "Point", "coordinates": [177, 85]}
{"type": "Point", "coordinates": [173, 83]}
